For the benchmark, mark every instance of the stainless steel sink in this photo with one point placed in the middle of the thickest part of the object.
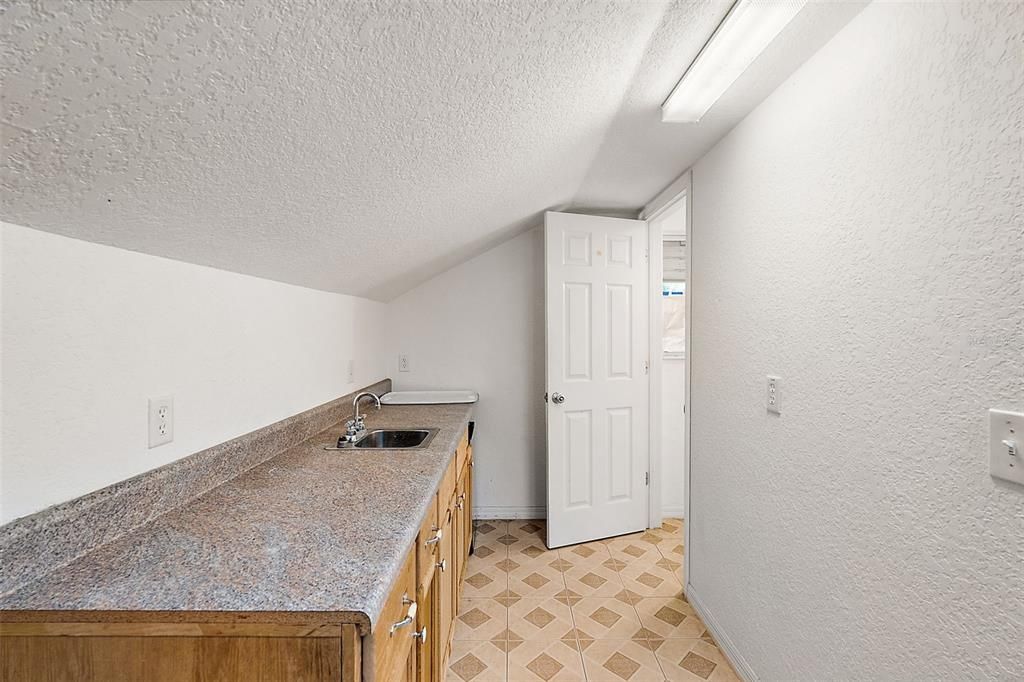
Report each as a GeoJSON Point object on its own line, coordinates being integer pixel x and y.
{"type": "Point", "coordinates": [391, 439]}
{"type": "Point", "coordinates": [394, 439]}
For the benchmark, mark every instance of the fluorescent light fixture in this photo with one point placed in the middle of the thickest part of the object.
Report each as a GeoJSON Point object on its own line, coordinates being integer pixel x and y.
{"type": "Point", "coordinates": [748, 28]}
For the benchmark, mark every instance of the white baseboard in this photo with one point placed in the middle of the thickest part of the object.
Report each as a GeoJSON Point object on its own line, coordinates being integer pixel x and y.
{"type": "Point", "coordinates": [673, 512]}
{"type": "Point", "coordinates": [725, 644]}
{"type": "Point", "coordinates": [510, 512]}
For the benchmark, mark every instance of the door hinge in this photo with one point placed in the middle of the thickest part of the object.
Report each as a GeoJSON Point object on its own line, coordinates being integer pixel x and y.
{"type": "Point", "coordinates": [647, 478]}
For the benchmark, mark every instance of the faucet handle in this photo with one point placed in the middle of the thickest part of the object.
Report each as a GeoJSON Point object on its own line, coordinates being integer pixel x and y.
{"type": "Point", "coordinates": [353, 427]}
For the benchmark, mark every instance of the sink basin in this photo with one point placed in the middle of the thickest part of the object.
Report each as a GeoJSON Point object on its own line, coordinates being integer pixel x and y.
{"type": "Point", "coordinates": [396, 439]}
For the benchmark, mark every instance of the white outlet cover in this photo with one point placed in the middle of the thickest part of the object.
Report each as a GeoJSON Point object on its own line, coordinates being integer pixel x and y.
{"type": "Point", "coordinates": [161, 420]}
{"type": "Point", "coordinates": [403, 363]}
{"type": "Point", "coordinates": [1006, 427]}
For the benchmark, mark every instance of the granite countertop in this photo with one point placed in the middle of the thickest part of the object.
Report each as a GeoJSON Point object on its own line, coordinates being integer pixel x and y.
{"type": "Point", "coordinates": [310, 534]}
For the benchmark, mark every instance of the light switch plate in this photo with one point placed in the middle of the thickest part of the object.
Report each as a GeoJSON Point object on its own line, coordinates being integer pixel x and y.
{"type": "Point", "coordinates": [1006, 437]}
{"type": "Point", "coordinates": [773, 396]}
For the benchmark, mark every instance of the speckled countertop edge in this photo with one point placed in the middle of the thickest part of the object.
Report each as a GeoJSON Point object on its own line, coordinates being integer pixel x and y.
{"type": "Point", "coordinates": [309, 534]}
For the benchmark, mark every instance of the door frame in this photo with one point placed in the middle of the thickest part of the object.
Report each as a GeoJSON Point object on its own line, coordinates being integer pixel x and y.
{"type": "Point", "coordinates": [680, 189]}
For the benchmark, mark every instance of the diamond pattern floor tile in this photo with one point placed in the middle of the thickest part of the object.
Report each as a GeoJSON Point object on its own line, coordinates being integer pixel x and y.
{"type": "Point", "coordinates": [692, 660]}
{"type": "Point", "coordinates": [547, 660]}
{"type": "Point", "coordinates": [480, 619]}
{"type": "Point", "coordinates": [529, 613]}
{"type": "Point", "coordinates": [605, 618]}
{"type": "Point", "coordinates": [621, 661]}
{"type": "Point", "coordinates": [473, 661]}
{"type": "Point", "coordinates": [534, 619]}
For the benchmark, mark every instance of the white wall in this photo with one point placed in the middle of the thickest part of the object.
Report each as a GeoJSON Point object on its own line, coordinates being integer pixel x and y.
{"type": "Point", "coordinates": [860, 234]}
{"type": "Point", "coordinates": [480, 325]}
{"type": "Point", "coordinates": [673, 432]}
{"type": "Point", "coordinates": [90, 332]}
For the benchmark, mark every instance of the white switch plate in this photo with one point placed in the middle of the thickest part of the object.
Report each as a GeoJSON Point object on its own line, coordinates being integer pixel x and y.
{"type": "Point", "coordinates": [1006, 431]}
{"type": "Point", "coordinates": [772, 396]}
{"type": "Point", "coordinates": [161, 420]}
{"type": "Point", "coordinates": [403, 363]}
{"type": "Point", "coordinates": [351, 371]}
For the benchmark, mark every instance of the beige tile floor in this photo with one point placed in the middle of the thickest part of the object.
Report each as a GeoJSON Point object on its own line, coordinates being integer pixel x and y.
{"type": "Point", "coordinates": [606, 610]}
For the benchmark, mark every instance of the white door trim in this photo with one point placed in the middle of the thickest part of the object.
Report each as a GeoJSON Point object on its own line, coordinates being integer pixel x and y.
{"type": "Point", "coordinates": [656, 266]}
{"type": "Point", "coordinates": [677, 189]}
{"type": "Point", "coordinates": [681, 188]}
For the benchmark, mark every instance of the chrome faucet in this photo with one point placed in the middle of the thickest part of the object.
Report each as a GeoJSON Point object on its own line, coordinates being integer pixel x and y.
{"type": "Point", "coordinates": [355, 427]}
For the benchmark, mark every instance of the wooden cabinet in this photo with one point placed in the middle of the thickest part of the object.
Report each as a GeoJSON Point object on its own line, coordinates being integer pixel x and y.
{"type": "Point", "coordinates": [393, 636]}
{"type": "Point", "coordinates": [411, 640]}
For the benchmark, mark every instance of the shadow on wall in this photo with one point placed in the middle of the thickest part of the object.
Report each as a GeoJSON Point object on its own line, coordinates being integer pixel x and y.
{"type": "Point", "coordinates": [480, 326]}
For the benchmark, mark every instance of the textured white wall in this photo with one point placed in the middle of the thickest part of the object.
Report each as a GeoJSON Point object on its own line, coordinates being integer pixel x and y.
{"type": "Point", "coordinates": [480, 325]}
{"type": "Point", "coordinates": [860, 234]}
{"type": "Point", "coordinates": [90, 332]}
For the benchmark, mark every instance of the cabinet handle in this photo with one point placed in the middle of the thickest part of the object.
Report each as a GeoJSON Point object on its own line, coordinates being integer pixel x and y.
{"type": "Point", "coordinates": [410, 616]}
{"type": "Point", "coordinates": [443, 564]}
{"type": "Point", "coordinates": [438, 533]}
{"type": "Point", "coordinates": [459, 505]}
{"type": "Point", "coordinates": [421, 635]}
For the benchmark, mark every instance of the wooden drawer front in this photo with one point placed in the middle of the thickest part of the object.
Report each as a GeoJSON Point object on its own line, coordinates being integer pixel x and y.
{"type": "Point", "coordinates": [170, 659]}
{"type": "Point", "coordinates": [391, 650]}
{"type": "Point", "coordinates": [462, 453]}
{"type": "Point", "coordinates": [427, 547]}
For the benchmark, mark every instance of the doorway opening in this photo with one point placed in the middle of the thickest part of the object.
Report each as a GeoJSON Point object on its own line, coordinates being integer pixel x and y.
{"type": "Point", "coordinates": [669, 280]}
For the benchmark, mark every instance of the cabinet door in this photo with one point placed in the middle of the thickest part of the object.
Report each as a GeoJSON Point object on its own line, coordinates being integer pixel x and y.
{"type": "Point", "coordinates": [460, 534]}
{"type": "Point", "coordinates": [468, 510]}
{"type": "Point", "coordinates": [444, 580]}
{"type": "Point", "coordinates": [427, 664]}
{"type": "Point", "coordinates": [411, 668]}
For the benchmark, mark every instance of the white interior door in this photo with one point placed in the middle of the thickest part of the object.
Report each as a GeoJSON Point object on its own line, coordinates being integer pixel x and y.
{"type": "Point", "coordinates": [596, 307]}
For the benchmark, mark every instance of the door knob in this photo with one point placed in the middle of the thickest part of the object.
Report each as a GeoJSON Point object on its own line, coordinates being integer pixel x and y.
{"type": "Point", "coordinates": [557, 398]}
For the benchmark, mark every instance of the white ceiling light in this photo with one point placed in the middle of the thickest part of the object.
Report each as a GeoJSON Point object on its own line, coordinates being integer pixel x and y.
{"type": "Point", "coordinates": [746, 31]}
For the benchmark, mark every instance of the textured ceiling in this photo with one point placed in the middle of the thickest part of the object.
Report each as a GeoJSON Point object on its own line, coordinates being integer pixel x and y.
{"type": "Point", "coordinates": [357, 147]}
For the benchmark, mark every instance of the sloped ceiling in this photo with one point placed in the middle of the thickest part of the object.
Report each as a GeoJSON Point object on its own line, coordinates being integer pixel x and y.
{"type": "Point", "coordinates": [355, 147]}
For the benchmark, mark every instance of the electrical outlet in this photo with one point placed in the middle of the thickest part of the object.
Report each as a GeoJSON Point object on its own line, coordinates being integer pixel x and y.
{"type": "Point", "coordinates": [773, 398]}
{"type": "Point", "coordinates": [1006, 445]}
{"type": "Point", "coordinates": [403, 363]}
{"type": "Point", "coordinates": [161, 420]}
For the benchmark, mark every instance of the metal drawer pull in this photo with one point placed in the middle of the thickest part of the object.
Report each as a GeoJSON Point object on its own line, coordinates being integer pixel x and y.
{"type": "Point", "coordinates": [459, 505]}
{"type": "Point", "coordinates": [443, 564]}
{"type": "Point", "coordinates": [421, 635]}
{"type": "Point", "coordinates": [410, 616]}
{"type": "Point", "coordinates": [437, 537]}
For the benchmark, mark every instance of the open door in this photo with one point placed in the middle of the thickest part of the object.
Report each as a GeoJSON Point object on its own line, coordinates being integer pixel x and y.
{"type": "Point", "coordinates": [596, 309]}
